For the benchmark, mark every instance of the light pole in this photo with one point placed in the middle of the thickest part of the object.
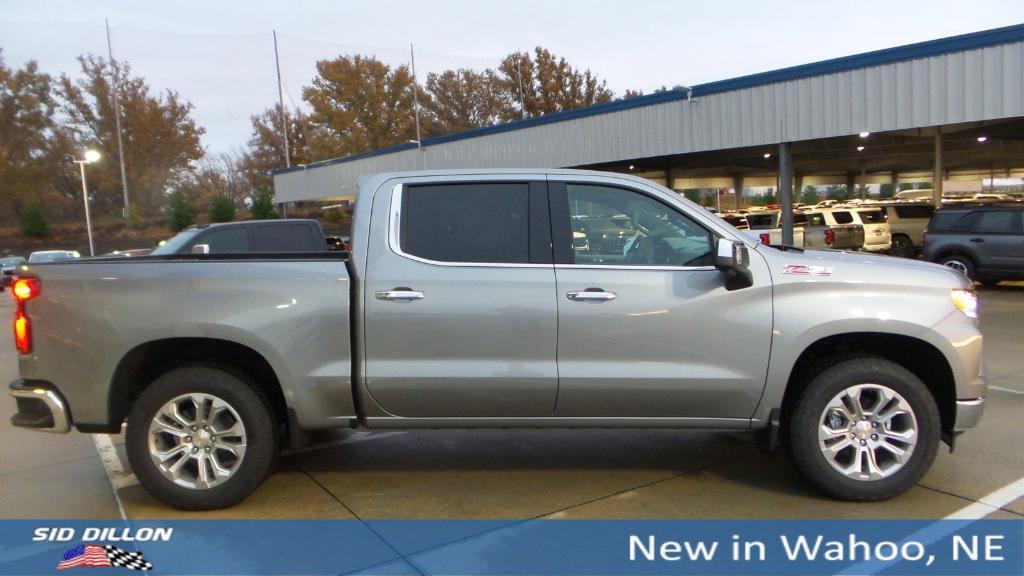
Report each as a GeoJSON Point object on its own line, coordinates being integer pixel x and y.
{"type": "Point", "coordinates": [90, 157]}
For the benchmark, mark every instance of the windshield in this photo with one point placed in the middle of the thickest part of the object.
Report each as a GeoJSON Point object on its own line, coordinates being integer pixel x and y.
{"type": "Point", "coordinates": [175, 244]}
{"type": "Point", "coordinates": [13, 261]}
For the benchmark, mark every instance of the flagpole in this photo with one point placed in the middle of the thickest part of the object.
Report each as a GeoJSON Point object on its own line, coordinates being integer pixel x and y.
{"type": "Point", "coordinates": [117, 118]}
{"type": "Point", "coordinates": [415, 96]}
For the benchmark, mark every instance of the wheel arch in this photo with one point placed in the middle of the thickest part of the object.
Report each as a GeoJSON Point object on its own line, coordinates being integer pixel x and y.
{"type": "Point", "coordinates": [148, 361]}
{"type": "Point", "coordinates": [918, 356]}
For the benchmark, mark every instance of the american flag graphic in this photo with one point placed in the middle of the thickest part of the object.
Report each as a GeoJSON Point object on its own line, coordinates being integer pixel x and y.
{"type": "Point", "coordinates": [97, 556]}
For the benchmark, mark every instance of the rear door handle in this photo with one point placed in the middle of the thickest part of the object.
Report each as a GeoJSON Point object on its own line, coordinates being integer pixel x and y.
{"type": "Point", "coordinates": [401, 294]}
{"type": "Point", "coordinates": [591, 295]}
{"type": "Point", "coordinates": [977, 239]}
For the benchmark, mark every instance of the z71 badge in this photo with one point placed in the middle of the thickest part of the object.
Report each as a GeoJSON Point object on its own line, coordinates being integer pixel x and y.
{"type": "Point", "coordinates": [802, 270]}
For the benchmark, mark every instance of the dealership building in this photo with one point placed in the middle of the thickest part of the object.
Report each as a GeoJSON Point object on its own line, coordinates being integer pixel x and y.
{"type": "Point", "coordinates": [945, 111]}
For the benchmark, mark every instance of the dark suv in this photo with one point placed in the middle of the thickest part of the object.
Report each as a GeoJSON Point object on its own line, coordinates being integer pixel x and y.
{"type": "Point", "coordinates": [985, 242]}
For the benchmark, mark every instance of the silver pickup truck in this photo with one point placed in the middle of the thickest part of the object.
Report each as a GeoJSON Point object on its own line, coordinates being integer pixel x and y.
{"type": "Point", "coordinates": [467, 302]}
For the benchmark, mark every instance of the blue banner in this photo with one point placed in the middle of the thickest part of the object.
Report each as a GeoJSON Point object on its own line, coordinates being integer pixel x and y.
{"type": "Point", "coordinates": [512, 547]}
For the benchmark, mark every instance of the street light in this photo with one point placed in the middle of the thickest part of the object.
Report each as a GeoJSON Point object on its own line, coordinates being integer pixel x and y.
{"type": "Point", "coordinates": [90, 157]}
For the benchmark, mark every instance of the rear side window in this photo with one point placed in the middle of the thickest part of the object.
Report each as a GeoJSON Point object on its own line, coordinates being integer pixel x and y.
{"type": "Point", "coordinates": [486, 223]}
{"type": "Point", "coordinates": [226, 241]}
{"type": "Point", "coordinates": [872, 216]}
{"type": "Point", "coordinates": [284, 238]}
{"type": "Point", "coordinates": [815, 219]}
{"type": "Point", "coordinates": [952, 221]}
{"type": "Point", "coordinates": [995, 222]}
{"type": "Point", "coordinates": [920, 211]}
{"type": "Point", "coordinates": [842, 217]}
{"type": "Point", "coordinates": [759, 221]}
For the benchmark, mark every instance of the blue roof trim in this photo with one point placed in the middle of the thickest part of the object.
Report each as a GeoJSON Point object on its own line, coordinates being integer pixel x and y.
{"type": "Point", "coordinates": [937, 47]}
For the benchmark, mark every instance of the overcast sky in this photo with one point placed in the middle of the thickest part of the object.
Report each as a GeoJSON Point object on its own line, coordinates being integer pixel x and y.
{"type": "Point", "coordinates": [219, 54]}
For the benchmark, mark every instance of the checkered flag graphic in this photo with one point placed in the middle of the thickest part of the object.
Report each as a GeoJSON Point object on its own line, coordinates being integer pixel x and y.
{"type": "Point", "coordinates": [124, 559]}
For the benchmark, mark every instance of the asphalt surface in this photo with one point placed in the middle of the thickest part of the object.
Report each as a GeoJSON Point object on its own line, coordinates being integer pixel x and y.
{"type": "Point", "coordinates": [536, 473]}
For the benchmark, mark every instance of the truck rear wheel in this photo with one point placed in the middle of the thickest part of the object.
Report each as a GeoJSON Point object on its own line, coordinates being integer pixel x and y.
{"type": "Point", "coordinates": [201, 438]}
{"type": "Point", "coordinates": [864, 429]}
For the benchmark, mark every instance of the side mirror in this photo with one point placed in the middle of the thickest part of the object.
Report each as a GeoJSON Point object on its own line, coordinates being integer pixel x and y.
{"type": "Point", "coordinates": [201, 249]}
{"type": "Point", "coordinates": [731, 259]}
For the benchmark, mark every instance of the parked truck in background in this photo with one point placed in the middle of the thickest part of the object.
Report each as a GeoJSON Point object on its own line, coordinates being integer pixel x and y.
{"type": "Point", "coordinates": [467, 301]}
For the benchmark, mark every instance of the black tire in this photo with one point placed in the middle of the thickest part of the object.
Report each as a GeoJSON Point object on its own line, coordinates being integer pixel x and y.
{"type": "Point", "coordinates": [254, 412]}
{"type": "Point", "coordinates": [903, 246]}
{"type": "Point", "coordinates": [961, 263]}
{"type": "Point", "coordinates": [809, 409]}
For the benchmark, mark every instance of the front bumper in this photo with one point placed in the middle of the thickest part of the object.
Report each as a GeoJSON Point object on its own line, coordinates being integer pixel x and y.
{"type": "Point", "coordinates": [40, 407]}
{"type": "Point", "coordinates": [968, 413]}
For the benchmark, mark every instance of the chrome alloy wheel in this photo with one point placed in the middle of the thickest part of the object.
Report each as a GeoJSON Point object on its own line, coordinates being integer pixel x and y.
{"type": "Point", "coordinates": [867, 432]}
{"type": "Point", "coordinates": [958, 266]}
{"type": "Point", "coordinates": [197, 441]}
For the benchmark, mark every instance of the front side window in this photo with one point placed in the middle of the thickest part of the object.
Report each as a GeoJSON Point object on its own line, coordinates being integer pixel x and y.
{"type": "Point", "coordinates": [484, 223]}
{"type": "Point", "coordinates": [615, 226]}
{"type": "Point", "coordinates": [226, 241]}
{"type": "Point", "coordinates": [995, 223]}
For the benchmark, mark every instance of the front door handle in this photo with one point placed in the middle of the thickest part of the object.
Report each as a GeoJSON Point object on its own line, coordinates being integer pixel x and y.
{"type": "Point", "coordinates": [591, 295]}
{"type": "Point", "coordinates": [977, 239]}
{"type": "Point", "coordinates": [400, 294]}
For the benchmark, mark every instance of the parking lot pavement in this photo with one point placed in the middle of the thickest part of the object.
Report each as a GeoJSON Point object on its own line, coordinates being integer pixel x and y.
{"type": "Point", "coordinates": [536, 473]}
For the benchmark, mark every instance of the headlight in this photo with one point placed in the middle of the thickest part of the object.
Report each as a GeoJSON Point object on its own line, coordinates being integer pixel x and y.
{"type": "Point", "coordinates": [966, 301]}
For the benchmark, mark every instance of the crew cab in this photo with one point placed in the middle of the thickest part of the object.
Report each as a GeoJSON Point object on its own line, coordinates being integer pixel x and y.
{"type": "Point", "coordinates": [469, 301]}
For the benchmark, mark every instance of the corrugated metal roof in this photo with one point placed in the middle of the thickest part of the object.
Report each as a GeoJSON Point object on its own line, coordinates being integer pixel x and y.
{"type": "Point", "coordinates": [971, 77]}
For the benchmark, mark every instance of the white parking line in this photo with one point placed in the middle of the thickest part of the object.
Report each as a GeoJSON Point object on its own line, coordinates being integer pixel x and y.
{"type": "Point", "coordinates": [116, 473]}
{"type": "Point", "coordinates": [934, 532]}
{"type": "Point", "coordinates": [1010, 390]}
{"type": "Point", "coordinates": [991, 502]}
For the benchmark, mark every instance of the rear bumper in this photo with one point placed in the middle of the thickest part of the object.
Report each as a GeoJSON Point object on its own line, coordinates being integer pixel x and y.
{"type": "Point", "coordinates": [40, 407]}
{"type": "Point", "coordinates": [968, 413]}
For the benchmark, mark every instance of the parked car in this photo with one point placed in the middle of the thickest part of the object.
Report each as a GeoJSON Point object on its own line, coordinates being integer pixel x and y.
{"type": "Point", "coordinates": [823, 231]}
{"type": "Point", "coordinates": [877, 237]}
{"type": "Point", "coordinates": [464, 304]}
{"type": "Point", "coordinates": [338, 243]}
{"type": "Point", "coordinates": [52, 256]}
{"type": "Point", "coordinates": [8, 266]}
{"type": "Point", "coordinates": [907, 223]}
{"type": "Point", "coordinates": [766, 227]}
{"type": "Point", "coordinates": [249, 236]}
{"type": "Point", "coordinates": [983, 242]}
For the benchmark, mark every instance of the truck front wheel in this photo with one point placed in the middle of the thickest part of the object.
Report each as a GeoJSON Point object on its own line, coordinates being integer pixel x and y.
{"type": "Point", "coordinates": [864, 429]}
{"type": "Point", "coordinates": [201, 438]}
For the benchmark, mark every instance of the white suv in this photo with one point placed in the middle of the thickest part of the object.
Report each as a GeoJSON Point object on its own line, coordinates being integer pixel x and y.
{"type": "Point", "coordinates": [877, 237]}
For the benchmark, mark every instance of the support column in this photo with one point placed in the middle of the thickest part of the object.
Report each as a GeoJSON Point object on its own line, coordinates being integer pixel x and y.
{"type": "Point", "coordinates": [937, 170]}
{"type": "Point", "coordinates": [894, 178]}
{"type": "Point", "coordinates": [798, 187]}
{"type": "Point", "coordinates": [851, 184]}
{"type": "Point", "coordinates": [737, 186]}
{"type": "Point", "coordinates": [786, 192]}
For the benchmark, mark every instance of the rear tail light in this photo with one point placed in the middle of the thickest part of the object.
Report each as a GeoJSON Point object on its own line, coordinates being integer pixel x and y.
{"type": "Point", "coordinates": [22, 332]}
{"type": "Point", "coordinates": [766, 239]}
{"type": "Point", "coordinates": [23, 290]}
{"type": "Point", "coordinates": [830, 237]}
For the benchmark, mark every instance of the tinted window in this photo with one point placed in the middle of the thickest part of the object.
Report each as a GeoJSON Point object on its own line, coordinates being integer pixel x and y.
{"type": "Point", "coordinates": [872, 216]}
{"type": "Point", "coordinates": [995, 223]}
{"type": "Point", "coordinates": [842, 217]}
{"type": "Point", "coordinates": [951, 221]}
{"type": "Point", "coordinates": [284, 238]}
{"type": "Point", "coordinates": [760, 221]}
{"type": "Point", "coordinates": [226, 240]}
{"type": "Point", "coordinates": [799, 219]}
{"type": "Point", "coordinates": [816, 219]}
{"type": "Point", "coordinates": [622, 227]}
{"type": "Point", "coordinates": [914, 211]}
{"type": "Point", "coordinates": [467, 222]}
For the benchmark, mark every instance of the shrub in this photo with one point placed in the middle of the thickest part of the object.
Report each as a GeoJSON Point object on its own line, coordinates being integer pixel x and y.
{"type": "Point", "coordinates": [263, 206]}
{"type": "Point", "coordinates": [222, 209]}
{"type": "Point", "coordinates": [180, 212]}
{"type": "Point", "coordinates": [33, 222]}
